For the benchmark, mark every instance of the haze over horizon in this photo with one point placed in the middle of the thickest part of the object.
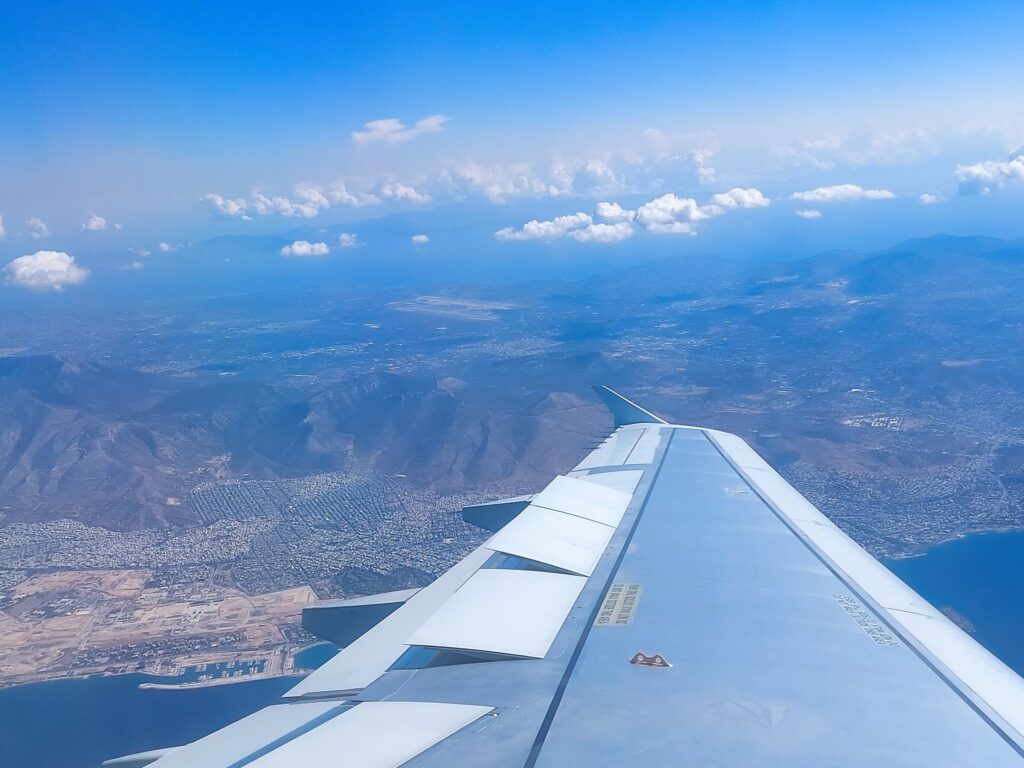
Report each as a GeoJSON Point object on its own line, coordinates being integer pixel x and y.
{"type": "Point", "coordinates": [428, 140]}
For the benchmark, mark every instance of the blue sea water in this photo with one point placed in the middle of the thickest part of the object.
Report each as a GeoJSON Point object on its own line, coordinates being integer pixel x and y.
{"type": "Point", "coordinates": [80, 723]}
{"type": "Point", "coordinates": [981, 578]}
{"type": "Point", "coordinates": [315, 655]}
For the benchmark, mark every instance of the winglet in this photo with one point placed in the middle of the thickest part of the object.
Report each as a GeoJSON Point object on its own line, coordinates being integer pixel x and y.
{"type": "Point", "coordinates": [625, 411]}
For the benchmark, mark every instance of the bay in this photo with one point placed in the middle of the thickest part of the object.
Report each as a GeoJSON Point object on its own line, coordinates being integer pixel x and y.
{"type": "Point", "coordinates": [979, 582]}
{"type": "Point", "coordinates": [82, 722]}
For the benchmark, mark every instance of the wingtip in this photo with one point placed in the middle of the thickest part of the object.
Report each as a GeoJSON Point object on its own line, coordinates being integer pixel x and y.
{"type": "Point", "coordinates": [623, 410]}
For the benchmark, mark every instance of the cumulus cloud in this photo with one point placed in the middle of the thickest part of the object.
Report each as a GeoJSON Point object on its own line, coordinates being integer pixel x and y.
{"type": "Point", "coordinates": [419, 239]}
{"type": "Point", "coordinates": [500, 182]}
{"type": "Point", "coordinates": [603, 233]}
{"type": "Point", "coordinates": [165, 247]}
{"type": "Point", "coordinates": [340, 195]}
{"type": "Point", "coordinates": [37, 228]}
{"type": "Point", "coordinates": [839, 193]}
{"type": "Point", "coordinates": [546, 230]}
{"type": "Point", "coordinates": [3, 232]}
{"type": "Point", "coordinates": [670, 215]}
{"type": "Point", "coordinates": [928, 199]}
{"type": "Point", "coordinates": [614, 212]}
{"type": "Point", "coordinates": [305, 249]}
{"type": "Point", "coordinates": [809, 214]}
{"type": "Point", "coordinates": [395, 190]}
{"type": "Point", "coordinates": [991, 175]}
{"type": "Point", "coordinates": [393, 131]}
{"type": "Point", "coordinates": [667, 214]}
{"type": "Point", "coordinates": [226, 207]}
{"type": "Point", "coordinates": [309, 201]}
{"type": "Point", "coordinates": [591, 177]}
{"type": "Point", "coordinates": [738, 197]}
{"type": "Point", "coordinates": [94, 223]}
{"type": "Point", "coordinates": [45, 271]}
{"type": "Point", "coordinates": [673, 215]}
{"type": "Point", "coordinates": [133, 266]}
{"type": "Point", "coordinates": [347, 240]}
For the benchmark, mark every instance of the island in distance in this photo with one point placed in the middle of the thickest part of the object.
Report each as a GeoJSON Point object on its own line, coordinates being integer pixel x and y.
{"type": "Point", "coordinates": [173, 494]}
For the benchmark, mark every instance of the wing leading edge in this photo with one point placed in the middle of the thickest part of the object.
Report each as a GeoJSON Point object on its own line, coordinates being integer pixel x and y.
{"type": "Point", "coordinates": [780, 641]}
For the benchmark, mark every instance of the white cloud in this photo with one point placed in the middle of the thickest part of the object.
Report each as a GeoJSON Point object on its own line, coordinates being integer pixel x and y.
{"type": "Point", "coordinates": [45, 271]}
{"type": "Point", "coordinates": [419, 239]}
{"type": "Point", "coordinates": [500, 182]}
{"type": "Point", "coordinates": [738, 197]}
{"type": "Point", "coordinates": [395, 190]}
{"type": "Point", "coordinates": [841, 193]}
{"type": "Point", "coordinates": [670, 215]}
{"type": "Point", "coordinates": [546, 230]}
{"type": "Point", "coordinates": [118, 227]}
{"type": "Point", "coordinates": [38, 228]}
{"type": "Point", "coordinates": [94, 223]}
{"type": "Point", "coordinates": [667, 214]}
{"type": "Point", "coordinates": [143, 252]}
{"type": "Point", "coordinates": [393, 131]}
{"type": "Point", "coordinates": [230, 208]}
{"type": "Point", "coordinates": [338, 193]}
{"type": "Point", "coordinates": [591, 177]}
{"type": "Point", "coordinates": [304, 248]}
{"type": "Point", "coordinates": [3, 232]}
{"type": "Point", "coordinates": [603, 233]}
{"type": "Point", "coordinates": [347, 240]}
{"type": "Point", "coordinates": [809, 214]}
{"type": "Point", "coordinates": [165, 247]}
{"type": "Point", "coordinates": [674, 215]}
{"type": "Point", "coordinates": [614, 212]}
{"type": "Point", "coordinates": [984, 178]}
{"type": "Point", "coordinates": [133, 266]}
{"type": "Point", "coordinates": [310, 201]}
{"type": "Point", "coordinates": [705, 173]}
{"type": "Point", "coordinates": [928, 199]}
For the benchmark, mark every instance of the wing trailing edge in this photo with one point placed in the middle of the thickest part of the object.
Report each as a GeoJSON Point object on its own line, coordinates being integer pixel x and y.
{"type": "Point", "coordinates": [624, 410]}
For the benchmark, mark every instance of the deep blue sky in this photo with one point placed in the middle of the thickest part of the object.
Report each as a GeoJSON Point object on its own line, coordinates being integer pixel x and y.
{"type": "Point", "coordinates": [192, 120]}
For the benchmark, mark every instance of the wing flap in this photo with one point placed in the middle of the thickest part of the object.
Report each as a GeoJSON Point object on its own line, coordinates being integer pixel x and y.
{"type": "Point", "coordinates": [503, 612]}
{"type": "Point", "coordinates": [563, 541]}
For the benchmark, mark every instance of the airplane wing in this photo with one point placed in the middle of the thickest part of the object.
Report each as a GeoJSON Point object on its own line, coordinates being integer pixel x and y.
{"type": "Point", "coordinates": [670, 601]}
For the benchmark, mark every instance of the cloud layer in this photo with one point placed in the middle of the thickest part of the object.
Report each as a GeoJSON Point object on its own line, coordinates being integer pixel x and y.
{"type": "Point", "coordinates": [392, 131]}
{"type": "Point", "coordinates": [667, 214]}
{"type": "Point", "coordinates": [45, 271]}
{"type": "Point", "coordinates": [840, 193]}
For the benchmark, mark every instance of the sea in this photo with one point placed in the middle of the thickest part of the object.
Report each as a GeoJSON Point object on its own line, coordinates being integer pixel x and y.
{"type": "Point", "coordinates": [80, 723]}
{"type": "Point", "coordinates": [978, 580]}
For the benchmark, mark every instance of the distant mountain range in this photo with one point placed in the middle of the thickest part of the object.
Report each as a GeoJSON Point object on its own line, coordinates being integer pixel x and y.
{"type": "Point", "coordinates": [110, 446]}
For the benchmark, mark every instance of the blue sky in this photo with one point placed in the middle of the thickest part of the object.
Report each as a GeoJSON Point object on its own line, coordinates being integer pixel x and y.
{"type": "Point", "coordinates": [709, 125]}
